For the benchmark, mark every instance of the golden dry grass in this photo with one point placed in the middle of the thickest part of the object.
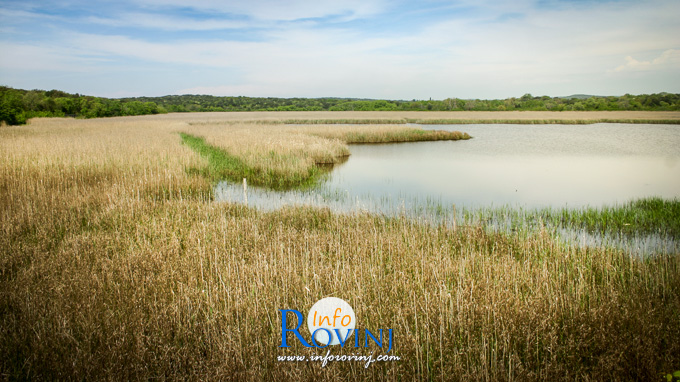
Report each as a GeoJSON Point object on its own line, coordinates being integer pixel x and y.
{"type": "Point", "coordinates": [114, 264]}
{"type": "Point", "coordinates": [284, 150]}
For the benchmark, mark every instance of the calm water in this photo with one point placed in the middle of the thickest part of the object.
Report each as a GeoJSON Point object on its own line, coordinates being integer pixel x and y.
{"type": "Point", "coordinates": [516, 165]}
{"type": "Point", "coordinates": [533, 166]}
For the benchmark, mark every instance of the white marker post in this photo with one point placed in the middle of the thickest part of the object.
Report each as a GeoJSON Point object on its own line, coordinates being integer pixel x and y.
{"type": "Point", "coordinates": [245, 191]}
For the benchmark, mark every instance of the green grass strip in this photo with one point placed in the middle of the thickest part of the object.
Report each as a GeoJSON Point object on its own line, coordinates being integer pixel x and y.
{"type": "Point", "coordinates": [221, 164]}
{"type": "Point", "coordinates": [224, 166]}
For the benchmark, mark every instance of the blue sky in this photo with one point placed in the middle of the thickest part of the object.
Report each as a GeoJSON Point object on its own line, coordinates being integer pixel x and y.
{"type": "Point", "coordinates": [356, 48]}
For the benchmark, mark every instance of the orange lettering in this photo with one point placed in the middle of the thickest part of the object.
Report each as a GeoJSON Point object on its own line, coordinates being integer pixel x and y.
{"type": "Point", "coordinates": [335, 315]}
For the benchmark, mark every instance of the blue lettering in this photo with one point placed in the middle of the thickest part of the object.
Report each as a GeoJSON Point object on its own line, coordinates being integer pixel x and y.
{"type": "Point", "coordinates": [391, 340]}
{"type": "Point", "coordinates": [295, 331]}
{"type": "Point", "coordinates": [342, 341]}
{"type": "Point", "coordinates": [368, 333]}
{"type": "Point", "coordinates": [356, 338]}
{"type": "Point", "coordinates": [330, 337]}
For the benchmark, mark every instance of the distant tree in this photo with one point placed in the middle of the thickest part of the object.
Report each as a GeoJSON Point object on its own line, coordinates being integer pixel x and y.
{"type": "Point", "coordinates": [12, 109]}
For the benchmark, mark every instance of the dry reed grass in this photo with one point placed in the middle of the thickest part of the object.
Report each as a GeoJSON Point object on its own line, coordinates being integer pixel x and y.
{"type": "Point", "coordinates": [281, 156]}
{"type": "Point", "coordinates": [113, 265]}
{"type": "Point", "coordinates": [286, 151]}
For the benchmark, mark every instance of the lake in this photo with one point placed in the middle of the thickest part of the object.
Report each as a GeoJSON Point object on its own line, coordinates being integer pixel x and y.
{"type": "Point", "coordinates": [503, 172]}
{"type": "Point", "coordinates": [529, 166]}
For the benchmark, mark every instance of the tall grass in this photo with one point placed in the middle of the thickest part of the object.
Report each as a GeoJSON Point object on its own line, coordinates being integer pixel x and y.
{"type": "Point", "coordinates": [225, 166]}
{"type": "Point", "coordinates": [113, 265]}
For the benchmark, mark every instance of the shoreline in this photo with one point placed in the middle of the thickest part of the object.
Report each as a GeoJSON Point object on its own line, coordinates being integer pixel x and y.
{"type": "Point", "coordinates": [424, 117]}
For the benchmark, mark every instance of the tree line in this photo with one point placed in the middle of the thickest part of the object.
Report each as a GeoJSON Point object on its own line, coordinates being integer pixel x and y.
{"type": "Point", "coordinates": [18, 105]}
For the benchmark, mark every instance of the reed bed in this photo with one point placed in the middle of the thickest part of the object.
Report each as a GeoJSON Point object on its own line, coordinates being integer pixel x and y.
{"type": "Point", "coordinates": [283, 157]}
{"type": "Point", "coordinates": [267, 155]}
{"type": "Point", "coordinates": [115, 265]}
{"type": "Point", "coordinates": [645, 216]}
{"type": "Point", "coordinates": [383, 134]}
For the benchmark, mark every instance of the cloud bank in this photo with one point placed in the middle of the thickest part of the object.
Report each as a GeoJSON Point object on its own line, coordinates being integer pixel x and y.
{"type": "Point", "coordinates": [362, 48]}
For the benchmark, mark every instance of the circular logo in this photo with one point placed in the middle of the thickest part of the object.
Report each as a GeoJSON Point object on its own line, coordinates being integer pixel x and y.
{"type": "Point", "coordinates": [328, 318]}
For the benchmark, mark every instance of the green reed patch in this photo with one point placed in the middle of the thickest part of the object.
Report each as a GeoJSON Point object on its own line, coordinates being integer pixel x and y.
{"type": "Point", "coordinates": [638, 217]}
{"type": "Point", "coordinates": [643, 216]}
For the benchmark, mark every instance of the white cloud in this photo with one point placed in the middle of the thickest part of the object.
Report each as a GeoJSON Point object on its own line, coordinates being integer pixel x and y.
{"type": "Point", "coordinates": [476, 52]}
{"type": "Point", "coordinates": [667, 60]}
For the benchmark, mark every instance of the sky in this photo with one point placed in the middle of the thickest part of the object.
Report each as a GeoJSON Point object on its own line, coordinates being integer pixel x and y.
{"type": "Point", "coordinates": [386, 49]}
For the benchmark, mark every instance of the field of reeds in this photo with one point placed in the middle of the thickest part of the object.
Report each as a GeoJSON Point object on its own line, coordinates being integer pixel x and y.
{"type": "Point", "coordinates": [116, 264]}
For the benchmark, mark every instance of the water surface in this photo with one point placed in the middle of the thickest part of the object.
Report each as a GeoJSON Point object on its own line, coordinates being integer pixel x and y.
{"type": "Point", "coordinates": [517, 166]}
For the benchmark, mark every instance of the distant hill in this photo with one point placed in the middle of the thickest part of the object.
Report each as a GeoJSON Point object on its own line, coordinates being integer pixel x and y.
{"type": "Point", "coordinates": [18, 105]}
{"type": "Point", "coordinates": [581, 96]}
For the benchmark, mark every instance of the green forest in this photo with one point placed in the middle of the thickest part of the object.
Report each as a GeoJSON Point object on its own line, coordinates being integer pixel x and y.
{"type": "Point", "coordinates": [18, 105]}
